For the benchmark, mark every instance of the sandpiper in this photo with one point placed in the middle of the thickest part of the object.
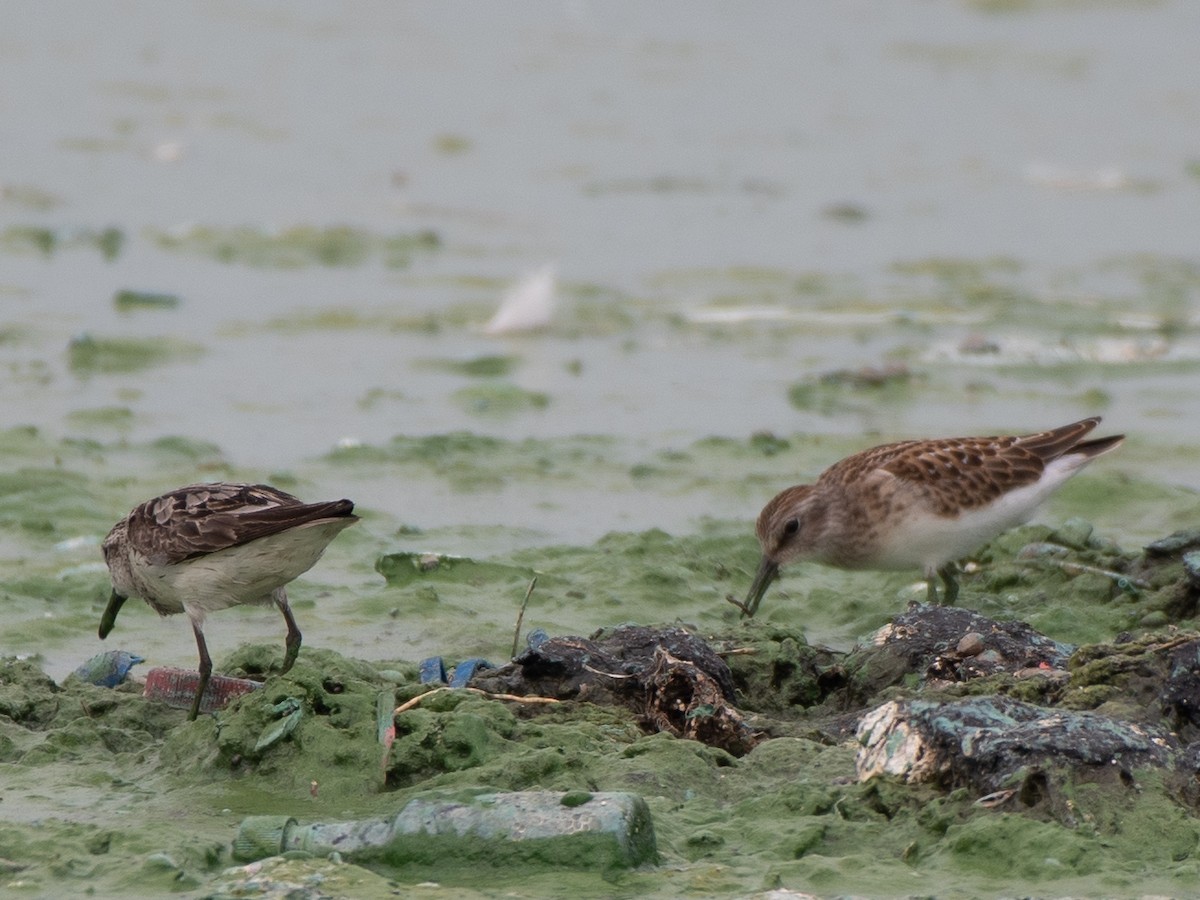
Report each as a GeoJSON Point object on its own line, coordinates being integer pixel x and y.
{"type": "Point", "coordinates": [918, 504]}
{"type": "Point", "coordinates": [206, 547]}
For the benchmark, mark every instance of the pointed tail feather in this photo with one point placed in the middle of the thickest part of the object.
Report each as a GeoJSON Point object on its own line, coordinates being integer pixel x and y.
{"type": "Point", "coordinates": [1092, 449]}
{"type": "Point", "coordinates": [1057, 441]}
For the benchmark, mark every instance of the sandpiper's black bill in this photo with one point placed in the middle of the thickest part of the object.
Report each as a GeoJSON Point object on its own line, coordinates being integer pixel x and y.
{"type": "Point", "coordinates": [109, 619]}
{"type": "Point", "coordinates": [767, 570]}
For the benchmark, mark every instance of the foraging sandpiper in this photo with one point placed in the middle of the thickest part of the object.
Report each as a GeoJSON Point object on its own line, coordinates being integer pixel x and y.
{"type": "Point", "coordinates": [918, 504]}
{"type": "Point", "coordinates": [207, 547]}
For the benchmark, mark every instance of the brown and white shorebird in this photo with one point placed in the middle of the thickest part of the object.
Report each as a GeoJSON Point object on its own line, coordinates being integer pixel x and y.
{"type": "Point", "coordinates": [918, 504]}
{"type": "Point", "coordinates": [207, 547]}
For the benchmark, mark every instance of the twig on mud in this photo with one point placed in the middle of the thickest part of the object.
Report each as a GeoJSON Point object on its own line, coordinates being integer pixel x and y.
{"type": "Point", "coordinates": [516, 698]}
{"type": "Point", "coordinates": [521, 616]}
{"type": "Point", "coordinates": [1172, 643]}
{"type": "Point", "coordinates": [738, 651]}
{"type": "Point", "coordinates": [414, 701]}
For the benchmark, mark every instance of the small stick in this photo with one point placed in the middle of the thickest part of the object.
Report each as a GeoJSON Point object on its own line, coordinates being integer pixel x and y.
{"type": "Point", "coordinates": [1073, 568]}
{"type": "Point", "coordinates": [514, 697]}
{"type": "Point", "coordinates": [521, 616]}
{"type": "Point", "coordinates": [409, 704]}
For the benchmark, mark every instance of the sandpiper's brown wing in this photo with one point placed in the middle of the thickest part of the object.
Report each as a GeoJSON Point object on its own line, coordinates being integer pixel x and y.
{"type": "Point", "coordinates": [204, 518]}
{"type": "Point", "coordinates": [965, 473]}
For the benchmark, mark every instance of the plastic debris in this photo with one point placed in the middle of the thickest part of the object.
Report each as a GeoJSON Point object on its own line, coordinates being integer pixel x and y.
{"type": "Point", "coordinates": [432, 670]}
{"type": "Point", "coordinates": [528, 305]}
{"type": "Point", "coordinates": [290, 710]}
{"type": "Point", "coordinates": [603, 830]}
{"type": "Point", "coordinates": [108, 669]}
{"type": "Point", "coordinates": [177, 688]}
{"type": "Point", "coordinates": [467, 668]}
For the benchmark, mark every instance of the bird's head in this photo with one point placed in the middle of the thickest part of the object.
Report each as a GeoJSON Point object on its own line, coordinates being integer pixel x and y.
{"type": "Point", "coordinates": [784, 528]}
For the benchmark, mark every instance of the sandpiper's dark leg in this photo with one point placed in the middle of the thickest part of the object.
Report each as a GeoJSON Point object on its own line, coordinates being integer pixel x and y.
{"type": "Point", "coordinates": [949, 573]}
{"type": "Point", "coordinates": [931, 591]}
{"type": "Point", "coordinates": [292, 641]}
{"type": "Point", "coordinates": [205, 672]}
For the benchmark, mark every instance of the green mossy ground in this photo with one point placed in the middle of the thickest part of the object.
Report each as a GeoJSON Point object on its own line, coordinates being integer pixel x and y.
{"type": "Point", "coordinates": [107, 792]}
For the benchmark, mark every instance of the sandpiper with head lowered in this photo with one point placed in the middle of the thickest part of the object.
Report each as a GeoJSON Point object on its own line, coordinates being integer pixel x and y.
{"type": "Point", "coordinates": [918, 504]}
{"type": "Point", "coordinates": [207, 547]}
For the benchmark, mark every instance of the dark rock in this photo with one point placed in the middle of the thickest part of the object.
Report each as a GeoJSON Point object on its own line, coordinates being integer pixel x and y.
{"type": "Point", "coordinates": [1180, 696]}
{"type": "Point", "coordinates": [949, 644]}
{"type": "Point", "coordinates": [991, 744]}
{"type": "Point", "coordinates": [1175, 543]}
{"type": "Point", "coordinates": [1187, 775]}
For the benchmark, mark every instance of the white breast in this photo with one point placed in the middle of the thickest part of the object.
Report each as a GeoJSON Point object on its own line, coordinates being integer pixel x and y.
{"type": "Point", "coordinates": [930, 541]}
{"type": "Point", "coordinates": [244, 574]}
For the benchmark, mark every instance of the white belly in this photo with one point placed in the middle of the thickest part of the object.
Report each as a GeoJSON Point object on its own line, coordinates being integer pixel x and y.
{"type": "Point", "coordinates": [929, 541]}
{"type": "Point", "coordinates": [247, 574]}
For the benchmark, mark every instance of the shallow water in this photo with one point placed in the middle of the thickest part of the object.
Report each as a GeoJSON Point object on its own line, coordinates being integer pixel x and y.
{"type": "Point", "coordinates": [883, 182]}
{"type": "Point", "coordinates": [992, 204]}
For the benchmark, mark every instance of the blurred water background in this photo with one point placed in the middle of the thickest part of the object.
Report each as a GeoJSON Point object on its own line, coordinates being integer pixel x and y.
{"type": "Point", "coordinates": [283, 228]}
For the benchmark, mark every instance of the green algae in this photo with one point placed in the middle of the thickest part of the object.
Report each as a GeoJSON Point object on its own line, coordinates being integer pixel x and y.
{"type": "Point", "coordinates": [192, 449]}
{"type": "Point", "coordinates": [499, 400]}
{"type": "Point", "coordinates": [51, 503]}
{"type": "Point", "coordinates": [452, 734]}
{"type": "Point", "coordinates": [849, 391]}
{"type": "Point", "coordinates": [90, 355]}
{"type": "Point", "coordinates": [435, 858]}
{"type": "Point", "coordinates": [298, 246]}
{"type": "Point", "coordinates": [957, 270]}
{"type": "Point", "coordinates": [790, 814]}
{"type": "Point", "coordinates": [129, 300]}
{"type": "Point", "coordinates": [776, 670]}
{"type": "Point", "coordinates": [402, 569]}
{"type": "Point", "coordinates": [452, 144]}
{"type": "Point", "coordinates": [469, 461]}
{"type": "Point", "coordinates": [117, 418]}
{"type": "Point", "coordinates": [1018, 329]}
{"type": "Point", "coordinates": [30, 197]}
{"type": "Point", "coordinates": [340, 318]}
{"type": "Point", "coordinates": [489, 366]}
{"type": "Point", "coordinates": [47, 241]}
{"type": "Point", "coordinates": [296, 877]}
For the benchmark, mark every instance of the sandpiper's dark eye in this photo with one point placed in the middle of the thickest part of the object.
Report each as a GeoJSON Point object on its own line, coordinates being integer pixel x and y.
{"type": "Point", "coordinates": [791, 526]}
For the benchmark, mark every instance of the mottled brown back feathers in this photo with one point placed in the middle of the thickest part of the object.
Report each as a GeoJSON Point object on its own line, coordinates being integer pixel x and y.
{"type": "Point", "coordinates": [205, 518]}
{"type": "Point", "coordinates": [956, 474]}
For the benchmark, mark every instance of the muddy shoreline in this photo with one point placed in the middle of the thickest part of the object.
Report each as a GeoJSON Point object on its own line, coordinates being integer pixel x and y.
{"type": "Point", "coordinates": [108, 792]}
